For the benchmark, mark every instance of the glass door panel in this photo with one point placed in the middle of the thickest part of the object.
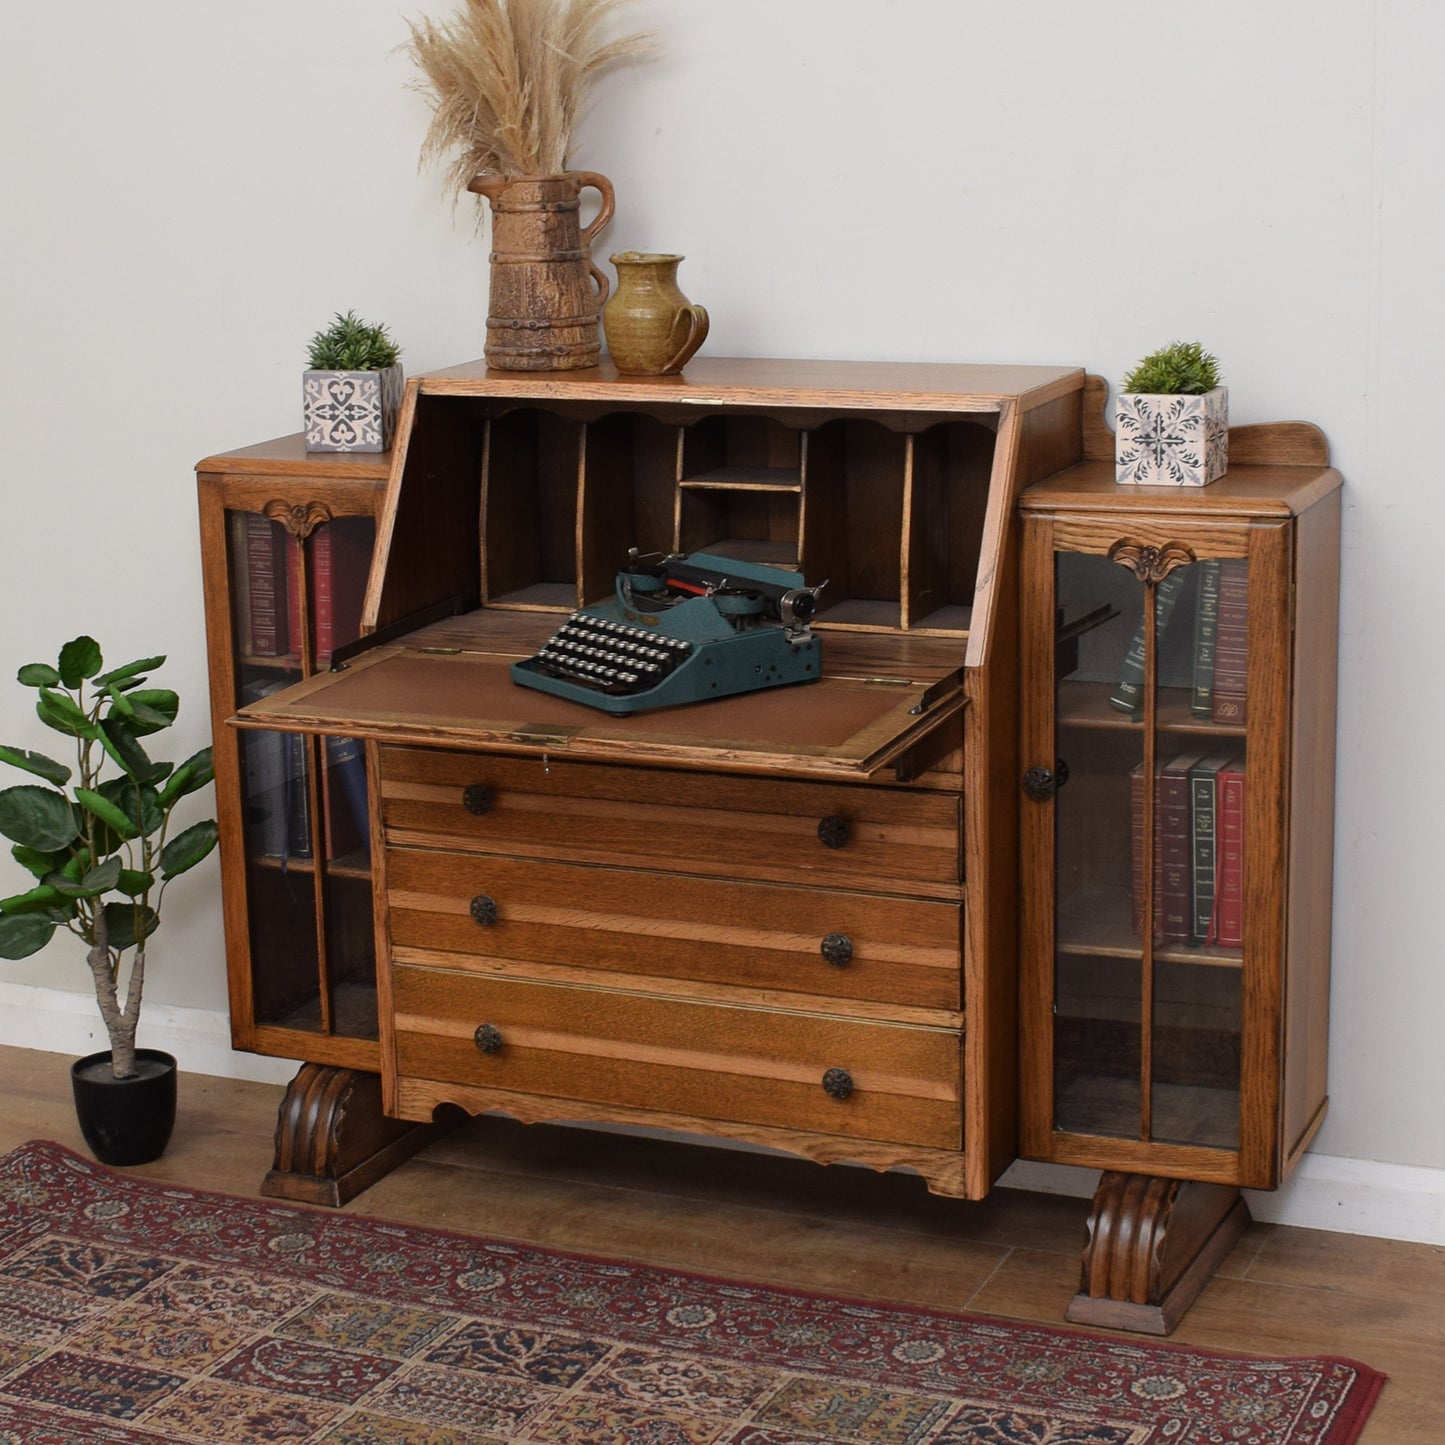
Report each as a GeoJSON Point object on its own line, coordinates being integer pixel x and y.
{"type": "Point", "coordinates": [1150, 709]}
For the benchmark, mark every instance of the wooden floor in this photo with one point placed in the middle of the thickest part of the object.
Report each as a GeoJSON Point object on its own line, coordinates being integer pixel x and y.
{"type": "Point", "coordinates": [847, 1231]}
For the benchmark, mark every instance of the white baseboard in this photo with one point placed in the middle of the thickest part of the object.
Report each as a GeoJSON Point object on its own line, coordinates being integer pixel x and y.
{"type": "Point", "coordinates": [1352, 1196]}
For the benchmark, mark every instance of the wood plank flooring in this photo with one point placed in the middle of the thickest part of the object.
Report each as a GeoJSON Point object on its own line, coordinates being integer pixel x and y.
{"type": "Point", "coordinates": [844, 1231]}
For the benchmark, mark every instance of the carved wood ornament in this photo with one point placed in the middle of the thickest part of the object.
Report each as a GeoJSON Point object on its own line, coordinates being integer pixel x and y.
{"type": "Point", "coordinates": [1150, 564]}
{"type": "Point", "coordinates": [301, 518]}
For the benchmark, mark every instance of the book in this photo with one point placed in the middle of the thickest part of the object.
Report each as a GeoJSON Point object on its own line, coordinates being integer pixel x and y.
{"type": "Point", "coordinates": [350, 826]}
{"type": "Point", "coordinates": [1231, 642]}
{"type": "Point", "coordinates": [1203, 816]}
{"type": "Point", "coordinates": [266, 588]}
{"type": "Point", "coordinates": [298, 796]}
{"type": "Point", "coordinates": [265, 772]}
{"type": "Point", "coordinates": [1128, 693]}
{"type": "Point", "coordinates": [1229, 910]}
{"type": "Point", "coordinates": [340, 558]}
{"type": "Point", "coordinates": [1172, 867]}
{"type": "Point", "coordinates": [1206, 616]}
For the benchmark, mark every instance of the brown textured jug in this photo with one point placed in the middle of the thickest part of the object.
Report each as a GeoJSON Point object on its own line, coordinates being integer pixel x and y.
{"type": "Point", "coordinates": [546, 292]}
{"type": "Point", "coordinates": [652, 328]}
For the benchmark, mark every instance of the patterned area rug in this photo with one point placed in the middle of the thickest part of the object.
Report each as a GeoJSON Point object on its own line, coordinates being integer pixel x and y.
{"type": "Point", "coordinates": [132, 1312]}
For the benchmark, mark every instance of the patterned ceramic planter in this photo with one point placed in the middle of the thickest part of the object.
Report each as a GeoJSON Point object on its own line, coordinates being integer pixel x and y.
{"type": "Point", "coordinates": [1171, 441]}
{"type": "Point", "coordinates": [351, 411]}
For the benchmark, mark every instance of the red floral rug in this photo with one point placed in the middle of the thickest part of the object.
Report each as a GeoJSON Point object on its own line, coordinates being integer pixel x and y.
{"type": "Point", "coordinates": [132, 1312]}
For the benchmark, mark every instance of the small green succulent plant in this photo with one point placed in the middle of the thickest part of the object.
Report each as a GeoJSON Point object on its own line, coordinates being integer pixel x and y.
{"type": "Point", "coordinates": [351, 344]}
{"type": "Point", "coordinates": [1183, 368]}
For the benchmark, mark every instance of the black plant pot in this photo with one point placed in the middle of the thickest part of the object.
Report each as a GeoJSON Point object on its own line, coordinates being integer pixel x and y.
{"type": "Point", "coordinates": [125, 1121]}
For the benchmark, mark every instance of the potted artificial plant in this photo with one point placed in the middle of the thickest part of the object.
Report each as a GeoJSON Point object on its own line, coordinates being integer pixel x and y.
{"type": "Point", "coordinates": [97, 843]}
{"type": "Point", "coordinates": [352, 392]}
{"type": "Point", "coordinates": [1171, 420]}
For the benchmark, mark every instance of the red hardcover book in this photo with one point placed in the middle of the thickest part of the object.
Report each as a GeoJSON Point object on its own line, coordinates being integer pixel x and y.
{"type": "Point", "coordinates": [265, 579]}
{"type": "Point", "coordinates": [1230, 642]}
{"type": "Point", "coordinates": [1229, 907]}
{"type": "Point", "coordinates": [340, 558]}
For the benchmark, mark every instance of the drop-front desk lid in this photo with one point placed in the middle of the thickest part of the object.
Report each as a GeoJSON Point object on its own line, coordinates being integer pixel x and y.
{"type": "Point", "coordinates": [450, 686]}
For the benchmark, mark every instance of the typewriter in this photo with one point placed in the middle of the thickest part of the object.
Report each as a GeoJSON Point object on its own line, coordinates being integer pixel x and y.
{"type": "Point", "coordinates": [681, 629]}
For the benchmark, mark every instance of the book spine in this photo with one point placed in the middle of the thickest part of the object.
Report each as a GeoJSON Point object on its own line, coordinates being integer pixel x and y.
{"type": "Point", "coordinates": [1231, 643]}
{"type": "Point", "coordinates": [265, 569]}
{"type": "Point", "coordinates": [1202, 820]}
{"type": "Point", "coordinates": [1128, 693]}
{"type": "Point", "coordinates": [1173, 842]}
{"type": "Point", "coordinates": [298, 797]}
{"type": "Point", "coordinates": [323, 596]}
{"type": "Point", "coordinates": [1206, 619]}
{"type": "Point", "coordinates": [347, 768]}
{"type": "Point", "coordinates": [1230, 912]}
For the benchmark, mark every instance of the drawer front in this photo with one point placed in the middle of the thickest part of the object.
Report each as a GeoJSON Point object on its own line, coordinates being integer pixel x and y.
{"type": "Point", "coordinates": [862, 835]}
{"type": "Point", "coordinates": [830, 1076]}
{"type": "Point", "coordinates": [857, 946]}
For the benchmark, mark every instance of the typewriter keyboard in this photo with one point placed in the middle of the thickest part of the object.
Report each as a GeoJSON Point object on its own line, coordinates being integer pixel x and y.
{"type": "Point", "coordinates": [610, 656]}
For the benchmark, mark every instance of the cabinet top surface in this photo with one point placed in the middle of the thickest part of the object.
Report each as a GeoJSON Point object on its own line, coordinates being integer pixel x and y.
{"type": "Point", "coordinates": [712, 381]}
{"type": "Point", "coordinates": [1262, 491]}
{"type": "Point", "coordinates": [288, 454]}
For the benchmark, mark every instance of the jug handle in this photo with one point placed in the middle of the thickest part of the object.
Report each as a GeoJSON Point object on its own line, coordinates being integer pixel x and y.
{"type": "Point", "coordinates": [697, 324]}
{"type": "Point", "coordinates": [603, 187]}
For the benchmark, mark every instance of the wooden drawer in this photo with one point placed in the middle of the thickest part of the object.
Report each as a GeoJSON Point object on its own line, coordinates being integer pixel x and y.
{"type": "Point", "coordinates": [807, 941]}
{"type": "Point", "coordinates": [886, 839]}
{"type": "Point", "coordinates": [706, 1060]}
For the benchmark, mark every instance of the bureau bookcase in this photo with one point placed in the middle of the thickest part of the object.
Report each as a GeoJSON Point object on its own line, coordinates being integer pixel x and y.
{"type": "Point", "coordinates": [786, 917]}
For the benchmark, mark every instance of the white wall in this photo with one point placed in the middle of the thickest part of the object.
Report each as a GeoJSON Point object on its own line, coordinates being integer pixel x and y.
{"type": "Point", "coordinates": [190, 188]}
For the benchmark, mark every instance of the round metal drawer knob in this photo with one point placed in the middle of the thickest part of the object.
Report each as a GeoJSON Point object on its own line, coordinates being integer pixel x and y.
{"type": "Point", "coordinates": [488, 1038]}
{"type": "Point", "coordinates": [483, 910]}
{"type": "Point", "coordinates": [837, 948]}
{"type": "Point", "coordinates": [838, 1083]}
{"type": "Point", "coordinates": [834, 832]}
{"type": "Point", "coordinates": [477, 798]}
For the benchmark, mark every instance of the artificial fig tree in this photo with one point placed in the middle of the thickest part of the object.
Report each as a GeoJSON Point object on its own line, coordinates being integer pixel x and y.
{"type": "Point", "coordinates": [96, 838]}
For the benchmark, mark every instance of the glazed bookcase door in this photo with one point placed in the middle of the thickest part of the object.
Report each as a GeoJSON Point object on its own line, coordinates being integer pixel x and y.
{"type": "Point", "coordinates": [1153, 1006]}
{"type": "Point", "coordinates": [296, 576]}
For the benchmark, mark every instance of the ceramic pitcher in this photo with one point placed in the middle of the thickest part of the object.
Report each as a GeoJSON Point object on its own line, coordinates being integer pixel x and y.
{"type": "Point", "coordinates": [652, 328]}
{"type": "Point", "coordinates": [546, 291]}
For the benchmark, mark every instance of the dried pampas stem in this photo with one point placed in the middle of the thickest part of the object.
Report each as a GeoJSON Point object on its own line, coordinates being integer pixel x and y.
{"type": "Point", "coordinates": [508, 80]}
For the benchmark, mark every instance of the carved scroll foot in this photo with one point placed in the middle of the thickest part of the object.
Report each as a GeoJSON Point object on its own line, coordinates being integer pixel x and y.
{"type": "Point", "coordinates": [332, 1139]}
{"type": "Point", "coordinates": [1153, 1245]}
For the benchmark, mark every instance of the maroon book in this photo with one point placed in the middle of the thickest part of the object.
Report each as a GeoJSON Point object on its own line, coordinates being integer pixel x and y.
{"type": "Point", "coordinates": [1229, 909]}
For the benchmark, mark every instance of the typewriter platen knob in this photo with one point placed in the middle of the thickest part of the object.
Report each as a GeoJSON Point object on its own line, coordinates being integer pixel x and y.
{"type": "Point", "coordinates": [838, 1084]}
{"type": "Point", "coordinates": [834, 831]}
{"type": "Point", "coordinates": [837, 948]}
{"type": "Point", "coordinates": [488, 1038]}
{"type": "Point", "coordinates": [483, 910]}
{"type": "Point", "coordinates": [477, 798]}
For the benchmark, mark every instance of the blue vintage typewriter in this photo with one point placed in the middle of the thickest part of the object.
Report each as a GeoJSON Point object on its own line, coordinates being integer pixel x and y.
{"type": "Point", "coordinates": [682, 629]}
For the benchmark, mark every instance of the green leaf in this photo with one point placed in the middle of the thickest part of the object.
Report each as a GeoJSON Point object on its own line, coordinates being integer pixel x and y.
{"type": "Point", "coordinates": [187, 849]}
{"type": "Point", "coordinates": [37, 818]}
{"type": "Point", "coordinates": [113, 817]}
{"type": "Point", "coordinates": [118, 739]}
{"type": "Point", "coordinates": [190, 777]}
{"type": "Point", "coordinates": [79, 659]}
{"type": "Point", "coordinates": [133, 883]}
{"type": "Point", "coordinates": [63, 713]}
{"type": "Point", "coordinates": [36, 763]}
{"type": "Point", "coordinates": [125, 922]}
{"type": "Point", "coordinates": [36, 862]}
{"type": "Point", "coordinates": [151, 709]}
{"type": "Point", "coordinates": [38, 900]}
{"type": "Point", "coordinates": [128, 672]}
{"type": "Point", "coordinates": [22, 934]}
{"type": "Point", "coordinates": [37, 674]}
{"type": "Point", "coordinates": [139, 802]}
{"type": "Point", "coordinates": [96, 881]}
